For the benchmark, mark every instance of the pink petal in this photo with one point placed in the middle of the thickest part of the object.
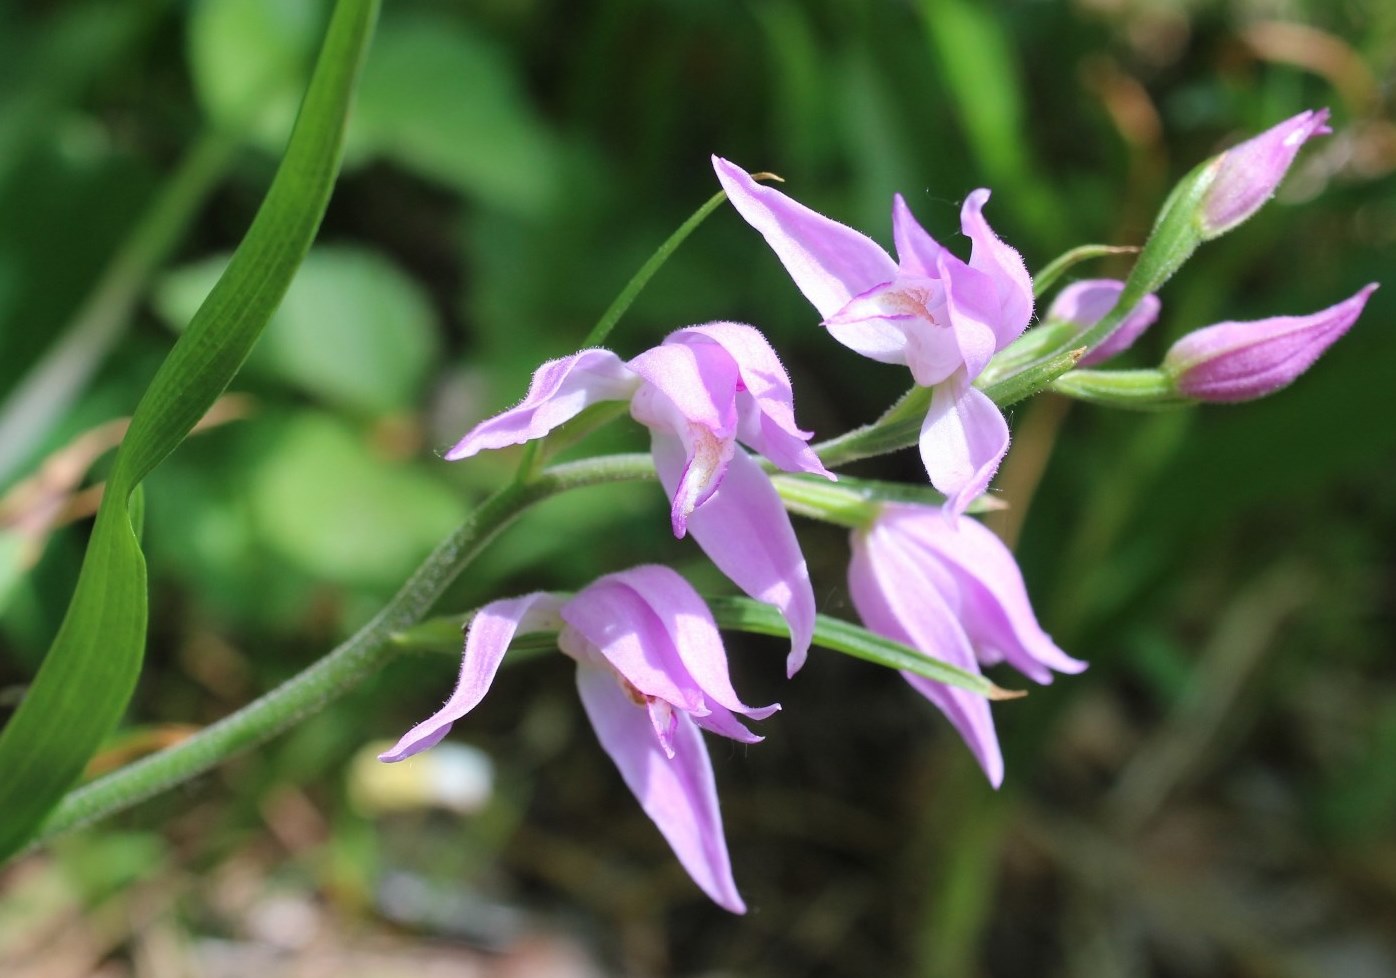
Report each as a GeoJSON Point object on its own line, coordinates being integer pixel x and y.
{"type": "Point", "coordinates": [766, 407]}
{"type": "Point", "coordinates": [1003, 265]}
{"type": "Point", "coordinates": [745, 530]}
{"type": "Point", "coordinates": [971, 305]}
{"type": "Point", "coordinates": [561, 390]}
{"type": "Point", "coordinates": [625, 629]}
{"type": "Point", "coordinates": [830, 262]}
{"type": "Point", "coordinates": [678, 794]}
{"type": "Point", "coordinates": [997, 614]}
{"type": "Point", "coordinates": [691, 394]}
{"type": "Point", "coordinates": [917, 252]}
{"type": "Point", "coordinates": [491, 631]}
{"type": "Point", "coordinates": [902, 599]}
{"type": "Point", "coordinates": [691, 632]}
{"type": "Point", "coordinates": [908, 321]}
{"type": "Point", "coordinates": [963, 439]}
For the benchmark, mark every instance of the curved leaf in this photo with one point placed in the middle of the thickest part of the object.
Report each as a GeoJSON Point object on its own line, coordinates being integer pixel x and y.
{"type": "Point", "coordinates": [87, 678]}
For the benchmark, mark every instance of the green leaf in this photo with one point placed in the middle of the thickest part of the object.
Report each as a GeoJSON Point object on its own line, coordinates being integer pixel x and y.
{"type": "Point", "coordinates": [744, 614]}
{"type": "Point", "coordinates": [354, 330]}
{"type": "Point", "coordinates": [249, 60]}
{"type": "Point", "coordinates": [324, 502]}
{"type": "Point", "coordinates": [87, 678]}
{"type": "Point", "coordinates": [448, 104]}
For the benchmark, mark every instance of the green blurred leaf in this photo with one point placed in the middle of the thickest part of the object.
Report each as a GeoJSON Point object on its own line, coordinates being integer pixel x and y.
{"type": "Point", "coordinates": [323, 501]}
{"type": "Point", "coordinates": [353, 330]}
{"type": "Point", "coordinates": [249, 60]}
{"type": "Point", "coordinates": [448, 104]}
{"type": "Point", "coordinates": [87, 678]}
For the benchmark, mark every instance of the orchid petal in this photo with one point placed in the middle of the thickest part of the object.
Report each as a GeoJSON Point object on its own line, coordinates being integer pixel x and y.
{"type": "Point", "coordinates": [766, 408]}
{"type": "Point", "coordinates": [917, 252]}
{"type": "Point", "coordinates": [1003, 264]}
{"type": "Point", "coordinates": [897, 597]}
{"type": "Point", "coordinates": [745, 530]}
{"type": "Point", "coordinates": [963, 439]}
{"type": "Point", "coordinates": [678, 794]}
{"type": "Point", "coordinates": [561, 390]}
{"type": "Point", "coordinates": [690, 393]}
{"type": "Point", "coordinates": [491, 631]}
{"type": "Point", "coordinates": [996, 611]}
{"type": "Point", "coordinates": [620, 624]}
{"type": "Point", "coordinates": [830, 262]}
{"type": "Point", "coordinates": [971, 305]}
{"type": "Point", "coordinates": [691, 632]}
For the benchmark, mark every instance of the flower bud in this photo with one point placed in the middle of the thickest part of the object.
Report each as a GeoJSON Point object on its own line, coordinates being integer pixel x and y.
{"type": "Point", "coordinates": [1242, 361]}
{"type": "Point", "coordinates": [1245, 176]}
{"type": "Point", "coordinates": [1085, 303]}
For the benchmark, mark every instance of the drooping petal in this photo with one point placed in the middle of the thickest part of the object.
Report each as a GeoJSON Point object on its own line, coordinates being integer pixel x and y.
{"type": "Point", "coordinates": [766, 408]}
{"type": "Point", "coordinates": [625, 629]}
{"type": "Point", "coordinates": [1003, 264]}
{"type": "Point", "coordinates": [996, 612]}
{"type": "Point", "coordinates": [963, 439]}
{"type": "Point", "coordinates": [1086, 302]}
{"type": "Point", "coordinates": [901, 599]}
{"type": "Point", "coordinates": [724, 723]}
{"type": "Point", "coordinates": [917, 252]}
{"type": "Point", "coordinates": [745, 530]}
{"type": "Point", "coordinates": [690, 394]}
{"type": "Point", "coordinates": [491, 630]}
{"type": "Point", "coordinates": [561, 390]}
{"type": "Point", "coordinates": [830, 262]}
{"type": "Point", "coordinates": [691, 632]}
{"type": "Point", "coordinates": [679, 794]}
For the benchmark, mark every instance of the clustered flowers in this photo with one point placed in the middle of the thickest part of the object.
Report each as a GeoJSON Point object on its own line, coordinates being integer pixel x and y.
{"type": "Point", "coordinates": [652, 671]}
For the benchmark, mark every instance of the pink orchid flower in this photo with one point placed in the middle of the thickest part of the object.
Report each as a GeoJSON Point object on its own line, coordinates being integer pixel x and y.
{"type": "Point", "coordinates": [954, 592]}
{"type": "Point", "coordinates": [700, 392]}
{"type": "Point", "coordinates": [651, 672]}
{"type": "Point", "coordinates": [930, 311]}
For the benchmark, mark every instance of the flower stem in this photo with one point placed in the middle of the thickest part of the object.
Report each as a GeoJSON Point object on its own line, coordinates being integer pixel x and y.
{"type": "Point", "coordinates": [622, 302]}
{"type": "Point", "coordinates": [344, 667]}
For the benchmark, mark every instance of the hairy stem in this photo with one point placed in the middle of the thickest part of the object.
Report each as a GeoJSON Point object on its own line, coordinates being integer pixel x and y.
{"type": "Point", "coordinates": [344, 667]}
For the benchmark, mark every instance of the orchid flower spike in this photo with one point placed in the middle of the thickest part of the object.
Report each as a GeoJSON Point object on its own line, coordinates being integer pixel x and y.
{"type": "Point", "coordinates": [652, 672]}
{"type": "Point", "coordinates": [930, 311]}
{"type": "Point", "coordinates": [703, 390]}
{"type": "Point", "coordinates": [953, 591]}
{"type": "Point", "coordinates": [1242, 361]}
{"type": "Point", "coordinates": [1247, 175]}
{"type": "Point", "coordinates": [1085, 303]}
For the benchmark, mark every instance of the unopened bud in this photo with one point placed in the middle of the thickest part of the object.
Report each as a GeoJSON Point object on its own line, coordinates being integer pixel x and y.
{"type": "Point", "coordinates": [1242, 361]}
{"type": "Point", "coordinates": [1085, 303]}
{"type": "Point", "coordinates": [1246, 175]}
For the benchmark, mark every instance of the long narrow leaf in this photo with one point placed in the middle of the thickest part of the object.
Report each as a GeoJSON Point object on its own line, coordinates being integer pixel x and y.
{"type": "Point", "coordinates": [90, 671]}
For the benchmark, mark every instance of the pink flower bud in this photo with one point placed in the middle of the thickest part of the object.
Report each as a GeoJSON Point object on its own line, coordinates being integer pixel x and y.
{"type": "Point", "coordinates": [1248, 173]}
{"type": "Point", "coordinates": [1242, 361]}
{"type": "Point", "coordinates": [1086, 302]}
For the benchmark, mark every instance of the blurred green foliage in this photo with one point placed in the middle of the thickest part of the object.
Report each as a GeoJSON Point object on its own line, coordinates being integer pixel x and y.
{"type": "Point", "coordinates": [1226, 571]}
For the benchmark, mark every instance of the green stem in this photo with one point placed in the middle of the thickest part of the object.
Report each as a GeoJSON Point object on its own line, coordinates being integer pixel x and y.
{"type": "Point", "coordinates": [345, 666]}
{"type": "Point", "coordinates": [622, 302]}
{"type": "Point", "coordinates": [54, 382]}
